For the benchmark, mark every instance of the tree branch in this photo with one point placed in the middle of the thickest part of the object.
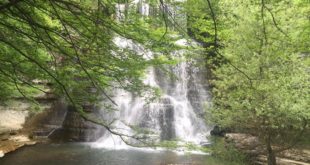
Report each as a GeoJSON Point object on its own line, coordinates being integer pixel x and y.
{"type": "Point", "coordinates": [216, 48]}
{"type": "Point", "coordinates": [10, 4]}
{"type": "Point", "coordinates": [214, 23]}
{"type": "Point", "coordinates": [275, 22]}
{"type": "Point", "coordinates": [263, 19]}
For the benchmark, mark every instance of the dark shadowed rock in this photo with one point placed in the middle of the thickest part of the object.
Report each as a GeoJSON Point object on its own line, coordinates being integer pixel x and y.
{"type": "Point", "coordinates": [217, 131]}
{"type": "Point", "coordinates": [75, 128]}
{"type": "Point", "coordinates": [166, 120]}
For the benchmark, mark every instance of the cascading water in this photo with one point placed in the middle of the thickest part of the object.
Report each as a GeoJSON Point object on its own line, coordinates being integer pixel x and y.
{"type": "Point", "coordinates": [177, 115]}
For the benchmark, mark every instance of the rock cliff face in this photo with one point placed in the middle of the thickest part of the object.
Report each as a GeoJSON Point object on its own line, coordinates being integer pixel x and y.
{"type": "Point", "coordinates": [75, 128]}
{"type": "Point", "coordinates": [62, 123]}
{"type": "Point", "coordinates": [198, 88]}
{"type": "Point", "coordinates": [20, 125]}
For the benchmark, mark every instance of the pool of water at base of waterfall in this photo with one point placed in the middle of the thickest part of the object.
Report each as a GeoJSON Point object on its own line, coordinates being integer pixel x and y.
{"type": "Point", "coordinates": [84, 154]}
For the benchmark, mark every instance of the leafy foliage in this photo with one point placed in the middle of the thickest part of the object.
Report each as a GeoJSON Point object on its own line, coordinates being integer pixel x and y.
{"type": "Point", "coordinates": [264, 86]}
{"type": "Point", "coordinates": [70, 44]}
{"type": "Point", "coordinates": [226, 151]}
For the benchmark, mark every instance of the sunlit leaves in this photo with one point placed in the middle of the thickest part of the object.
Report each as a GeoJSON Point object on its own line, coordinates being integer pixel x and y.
{"type": "Point", "coordinates": [269, 92]}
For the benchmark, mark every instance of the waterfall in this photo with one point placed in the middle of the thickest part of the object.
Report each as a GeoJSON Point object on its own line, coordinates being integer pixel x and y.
{"type": "Point", "coordinates": [177, 115]}
{"type": "Point", "coordinates": [120, 11]}
{"type": "Point", "coordinates": [144, 9]}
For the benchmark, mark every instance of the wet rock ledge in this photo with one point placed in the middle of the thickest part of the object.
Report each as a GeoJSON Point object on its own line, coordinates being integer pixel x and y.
{"type": "Point", "coordinates": [11, 142]}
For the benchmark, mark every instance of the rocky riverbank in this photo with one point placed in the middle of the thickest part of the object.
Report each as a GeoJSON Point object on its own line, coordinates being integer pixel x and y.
{"type": "Point", "coordinates": [24, 123]}
{"type": "Point", "coordinates": [10, 142]}
{"type": "Point", "coordinates": [17, 121]}
{"type": "Point", "coordinates": [250, 145]}
{"type": "Point", "coordinates": [12, 119]}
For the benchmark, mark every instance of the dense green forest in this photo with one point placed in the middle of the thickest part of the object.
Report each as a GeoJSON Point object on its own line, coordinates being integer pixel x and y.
{"type": "Point", "coordinates": [256, 51]}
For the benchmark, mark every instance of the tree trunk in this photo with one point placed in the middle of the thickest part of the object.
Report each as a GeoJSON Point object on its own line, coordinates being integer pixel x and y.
{"type": "Point", "coordinates": [271, 157]}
